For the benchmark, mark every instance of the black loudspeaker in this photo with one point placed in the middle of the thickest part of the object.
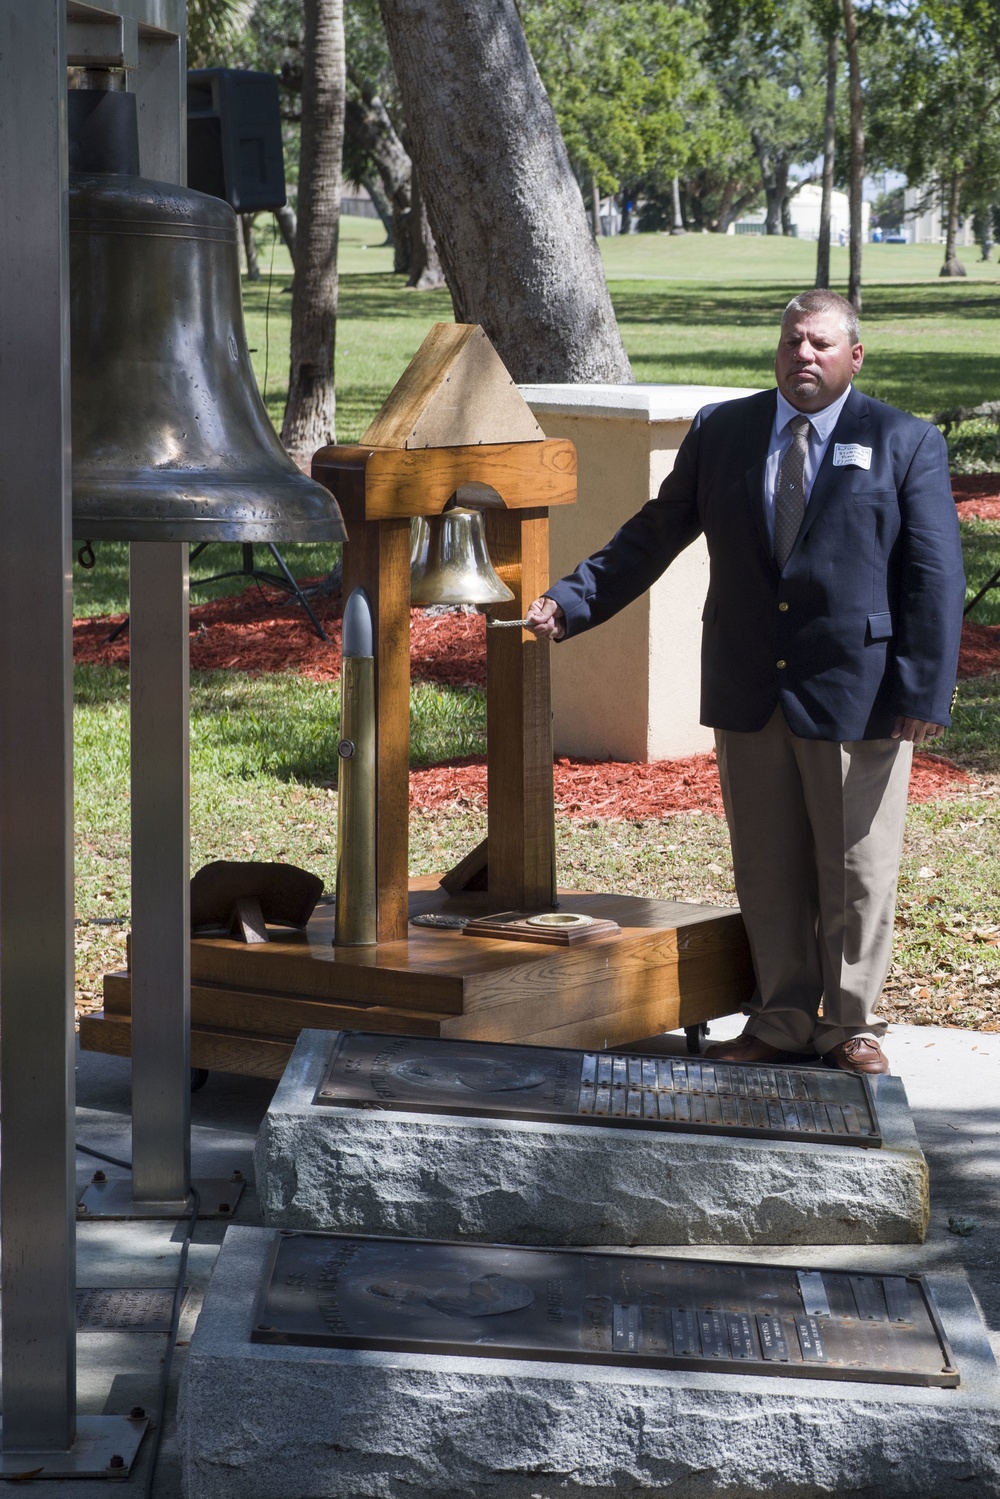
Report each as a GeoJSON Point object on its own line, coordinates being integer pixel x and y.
{"type": "Point", "coordinates": [234, 138]}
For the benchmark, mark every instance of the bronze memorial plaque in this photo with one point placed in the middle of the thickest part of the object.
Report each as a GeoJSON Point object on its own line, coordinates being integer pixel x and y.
{"type": "Point", "coordinates": [494, 1080]}
{"type": "Point", "coordinates": [124, 1309]}
{"type": "Point", "coordinates": [576, 1305]}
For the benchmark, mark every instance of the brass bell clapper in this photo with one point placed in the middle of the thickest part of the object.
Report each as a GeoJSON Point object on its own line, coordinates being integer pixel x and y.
{"type": "Point", "coordinates": [171, 440]}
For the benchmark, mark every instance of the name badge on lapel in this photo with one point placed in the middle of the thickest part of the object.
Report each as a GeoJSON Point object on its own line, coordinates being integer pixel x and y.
{"type": "Point", "coordinates": [851, 455]}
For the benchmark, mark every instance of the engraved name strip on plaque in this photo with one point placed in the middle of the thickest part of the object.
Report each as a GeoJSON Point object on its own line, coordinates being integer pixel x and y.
{"type": "Point", "coordinates": [542, 1083]}
{"type": "Point", "coordinates": [126, 1309]}
{"type": "Point", "coordinates": [632, 1310]}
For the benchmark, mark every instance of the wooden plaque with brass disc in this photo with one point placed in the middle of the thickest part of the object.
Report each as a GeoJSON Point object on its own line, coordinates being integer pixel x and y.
{"type": "Point", "coordinates": [556, 928]}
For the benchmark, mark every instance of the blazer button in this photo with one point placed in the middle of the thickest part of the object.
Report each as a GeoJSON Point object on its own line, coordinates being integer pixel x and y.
{"type": "Point", "coordinates": [781, 665]}
{"type": "Point", "coordinates": [783, 607]}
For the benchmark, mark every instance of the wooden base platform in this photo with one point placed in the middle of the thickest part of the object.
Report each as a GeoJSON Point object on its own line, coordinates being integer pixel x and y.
{"type": "Point", "coordinates": [674, 965]}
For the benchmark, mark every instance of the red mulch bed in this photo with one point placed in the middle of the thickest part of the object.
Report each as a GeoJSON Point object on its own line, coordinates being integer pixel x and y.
{"type": "Point", "coordinates": [977, 496]}
{"type": "Point", "coordinates": [259, 632]}
{"type": "Point", "coordinates": [587, 788]}
{"type": "Point", "coordinates": [255, 633]}
{"type": "Point", "coordinates": [980, 652]}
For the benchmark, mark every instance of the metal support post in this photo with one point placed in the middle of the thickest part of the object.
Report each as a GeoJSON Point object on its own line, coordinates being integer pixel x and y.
{"type": "Point", "coordinates": [158, 604]}
{"type": "Point", "coordinates": [161, 912]}
{"type": "Point", "coordinates": [36, 801]}
{"type": "Point", "coordinates": [161, 920]}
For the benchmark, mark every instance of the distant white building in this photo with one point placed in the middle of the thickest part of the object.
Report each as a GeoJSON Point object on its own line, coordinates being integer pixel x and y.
{"type": "Point", "coordinates": [925, 218]}
{"type": "Point", "coordinates": [803, 209]}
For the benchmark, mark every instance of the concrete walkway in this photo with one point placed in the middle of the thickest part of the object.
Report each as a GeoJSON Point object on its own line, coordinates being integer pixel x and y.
{"type": "Point", "coordinates": [952, 1078]}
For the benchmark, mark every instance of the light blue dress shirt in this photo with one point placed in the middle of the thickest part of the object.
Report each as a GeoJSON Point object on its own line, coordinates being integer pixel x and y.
{"type": "Point", "coordinates": [821, 425]}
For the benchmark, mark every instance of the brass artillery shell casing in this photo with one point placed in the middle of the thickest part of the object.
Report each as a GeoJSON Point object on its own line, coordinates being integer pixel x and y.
{"type": "Point", "coordinates": [355, 911]}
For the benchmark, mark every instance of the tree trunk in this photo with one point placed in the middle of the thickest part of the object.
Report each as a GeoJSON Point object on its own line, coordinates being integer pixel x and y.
{"type": "Point", "coordinates": [857, 166]}
{"type": "Point", "coordinates": [367, 121]}
{"type": "Point", "coordinates": [425, 263]}
{"type": "Point", "coordinates": [595, 206]}
{"type": "Point", "coordinates": [984, 230]}
{"type": "Point", "coordinates": [952, 265]}
{"type": "Point", "coordinates": [829, 147]}
{"type": "Point", "coordinates": [250, 246]}
{"type": "Point", "coordinates": [675, 188]}
{"type": "Point", "coordinates": [774, 178]}
{"type": "Point", "coordinates": [310, 413]}
{"type": "Point", "coordinates": [372, 184]}
{"type": "Point", "coordinates": [287, 226]}
{"type": "Point", "coordinates": [506, 211]}
{"type": "Point", "coordinates": [731, 206]}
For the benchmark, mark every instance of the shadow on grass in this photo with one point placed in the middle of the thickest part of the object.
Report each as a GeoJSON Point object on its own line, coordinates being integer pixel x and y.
{"type": "Point", "coordinates": [374, 294]}
{"type": "Point", "coordinates": [103, 589]}
{"type": "Point", "coordinates": [920, 382]}
{"type": "Point", "coordinates": [981, 551]}
{"type": "Point", "coordinates": [760, 304]}
{"type": "Point", "coordinates": [973, 741]}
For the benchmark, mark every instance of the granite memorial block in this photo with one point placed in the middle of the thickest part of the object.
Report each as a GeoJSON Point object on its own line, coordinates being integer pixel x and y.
{"type": "Point", "coordinates": [455, 1139]}
{"type": "Point", "coordinates": [701, 1379]}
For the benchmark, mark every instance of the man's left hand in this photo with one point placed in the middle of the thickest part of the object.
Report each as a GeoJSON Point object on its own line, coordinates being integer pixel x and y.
{"type": "Point", "coordinates": [916, 730]}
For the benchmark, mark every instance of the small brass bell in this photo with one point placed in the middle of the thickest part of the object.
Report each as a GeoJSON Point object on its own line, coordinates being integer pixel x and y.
{"type": "Point", "coordinates": [171, 441]}
{"type": "Point", "coordinates": [449, 563]}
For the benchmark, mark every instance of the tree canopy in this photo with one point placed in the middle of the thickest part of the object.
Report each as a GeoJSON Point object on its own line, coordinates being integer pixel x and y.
{"type": "Point", "coordinates": [725, 95]}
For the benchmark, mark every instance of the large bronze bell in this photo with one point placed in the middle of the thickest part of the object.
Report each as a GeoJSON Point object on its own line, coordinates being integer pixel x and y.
{"type": "Point", "coordinates": [171, 441]}
{"type": "Point", "coordinates": [449, 563]}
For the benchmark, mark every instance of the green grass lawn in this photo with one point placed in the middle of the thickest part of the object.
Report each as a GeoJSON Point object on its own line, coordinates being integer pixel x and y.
{"type": "Point", "coordinates": [699, 310]}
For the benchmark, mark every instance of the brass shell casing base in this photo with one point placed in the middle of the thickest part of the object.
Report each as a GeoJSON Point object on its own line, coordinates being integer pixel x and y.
{"type": "Point", "coordinates": [356, 912]}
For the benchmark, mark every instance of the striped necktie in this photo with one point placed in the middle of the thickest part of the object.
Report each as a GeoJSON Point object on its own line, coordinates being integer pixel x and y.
{"type": "Point", "coordinates": [790, 492]}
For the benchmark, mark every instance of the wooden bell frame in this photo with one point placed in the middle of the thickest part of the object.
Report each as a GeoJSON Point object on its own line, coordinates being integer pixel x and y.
{"type": "Point", "coordinates": [379, 490]}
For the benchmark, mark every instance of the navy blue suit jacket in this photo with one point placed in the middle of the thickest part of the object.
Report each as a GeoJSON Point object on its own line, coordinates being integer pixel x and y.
{"type": "Point", "coordinates": [863, 623]}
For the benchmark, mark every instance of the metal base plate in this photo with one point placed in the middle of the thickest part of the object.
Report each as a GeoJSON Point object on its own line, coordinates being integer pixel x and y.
{"type": "Point", "coordinates": [219, 1196]}
{"type": "Point", "coordinates": [495, 1080]}
{"type": "Point", "coordinates": [105, 1447]}
{"type": "Point", "coordinates": [578, 1306]}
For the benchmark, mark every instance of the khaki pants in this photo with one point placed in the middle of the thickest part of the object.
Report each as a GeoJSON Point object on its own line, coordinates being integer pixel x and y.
{"type": "Point", "coordinates": [816, 829]}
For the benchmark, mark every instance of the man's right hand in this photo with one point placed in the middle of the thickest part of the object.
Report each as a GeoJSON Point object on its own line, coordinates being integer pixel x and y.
{"type": "Point", "coordinates": [545, 619]}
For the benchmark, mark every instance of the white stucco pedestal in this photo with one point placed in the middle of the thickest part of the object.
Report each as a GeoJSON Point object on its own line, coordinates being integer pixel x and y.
{"type": "Point", "coordinates": [630, 690]}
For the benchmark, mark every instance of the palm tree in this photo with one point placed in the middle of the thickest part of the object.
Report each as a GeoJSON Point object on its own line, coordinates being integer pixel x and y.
{"type": "Point", "coordinates": [213, 27]}
{"type": "Point", "coordinates": [311, 407]}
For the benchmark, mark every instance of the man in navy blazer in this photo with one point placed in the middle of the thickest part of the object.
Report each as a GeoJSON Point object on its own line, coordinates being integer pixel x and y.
{"type": "Point", "coordinates": [830, 647]}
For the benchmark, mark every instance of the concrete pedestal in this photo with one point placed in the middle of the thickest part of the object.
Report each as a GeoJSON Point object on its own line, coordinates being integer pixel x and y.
{"type": "Point", "coordinates": [273, 1422]}
{"type": "Point", "coordinates": [630, 690]}
{"type": "Point", "coordinates": [519, 1182]}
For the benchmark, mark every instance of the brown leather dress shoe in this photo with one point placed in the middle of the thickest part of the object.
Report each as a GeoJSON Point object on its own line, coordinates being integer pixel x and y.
{"type": "Point", "coordinates": [860, 1054]}
{"type": "Point", "coordinates": [744, 1048]}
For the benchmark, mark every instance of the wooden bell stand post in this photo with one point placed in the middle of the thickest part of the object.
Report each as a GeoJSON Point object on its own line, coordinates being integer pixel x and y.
{"type": "Point", "coordinates": [456, 419]}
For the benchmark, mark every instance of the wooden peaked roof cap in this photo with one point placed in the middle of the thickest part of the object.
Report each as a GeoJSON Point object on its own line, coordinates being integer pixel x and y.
{"type": "Point", "coordinates": [455, 392]}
